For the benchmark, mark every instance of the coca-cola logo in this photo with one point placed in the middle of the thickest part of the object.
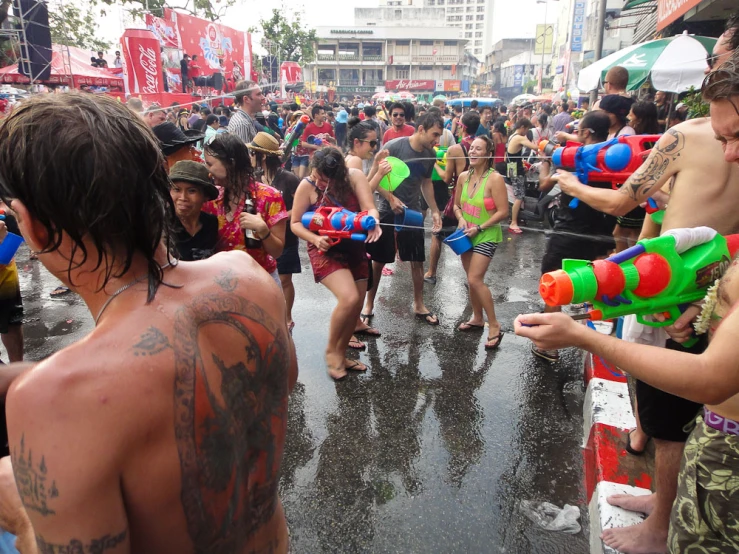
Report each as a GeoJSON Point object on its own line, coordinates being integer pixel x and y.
{"type": "Point", "coordinates": [148, 62]}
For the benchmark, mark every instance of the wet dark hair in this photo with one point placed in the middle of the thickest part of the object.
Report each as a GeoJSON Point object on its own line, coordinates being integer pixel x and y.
{"type": "Point", "coordinates": [315, 110]}
{"type": "Point", "coordinates": [500, 128]}
{"type": "Point", "coordinates": [271, 163]}
{"type": "Point", "coordinates": [732, 24]}
{"type": "Point", "coordinates": [89, 168]}
{"type": "Point", "coordinates": [211, 119]}
{"type": "Point", "coordinates": [410, 111]}
{"type": "Point", "coordinates": [397, 106]}
{"type": "Point", "coordinates": [358, 130]}
{"type": "Point", "coordinates": [471, 122]}
{"type": "Point", "coordinates": [474, 104]}
{"type": "Point", "coordinates": [599, 124]}
{"type": "Point", "coordinates": [544, 120]}
{"type": "Point", "coordinates": [329, 162]}
{"type": "Point", "coordinates": [523, 122]}
{"type": "Point", "coordinates": [234, 155]}
{"type": "Point", "coordinates": [429, 120]}
{"type": "Point", "coordinates": [648, 122]}
{"type": "Point", "coordinates": [370, 111]}
{"type": "Point", "coordinates": [489, 149]}
{"type": "Point", "coordinates": [354, 112]}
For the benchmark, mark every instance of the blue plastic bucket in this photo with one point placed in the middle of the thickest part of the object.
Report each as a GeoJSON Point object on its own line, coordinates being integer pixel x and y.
{"type": "Point", "coordinates": [9, 247]}
{"type": "Point", "coordinates": [458, 242]}
{"type": "Point", "coordinates": [408, 217]}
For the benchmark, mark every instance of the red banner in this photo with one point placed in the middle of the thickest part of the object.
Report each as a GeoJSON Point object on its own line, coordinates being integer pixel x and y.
{"type": "Point", "coordinates": [291, 73]}
{"type": "Point", "coordinates": [142, 62]}
{"type": "Point", "coordinates": [218, 48]}
{"type": "Point", "coordinates": [164, 29]}
{"type": "Point", "coordinates": [410, 84]}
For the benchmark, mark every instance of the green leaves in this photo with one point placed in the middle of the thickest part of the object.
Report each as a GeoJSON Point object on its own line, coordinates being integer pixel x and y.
{"type": "Point", "coordinates": [285, 37]}
{"type": "Point", "coordinates": [75, 25]}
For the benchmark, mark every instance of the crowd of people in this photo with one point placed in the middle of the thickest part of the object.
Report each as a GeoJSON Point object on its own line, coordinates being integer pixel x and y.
{"type": "Point", "coordinates": [211, 340]}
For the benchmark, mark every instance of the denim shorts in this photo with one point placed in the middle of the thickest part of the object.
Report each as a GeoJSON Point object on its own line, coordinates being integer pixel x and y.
{"type": "Point", "coordinates": [301, 161]}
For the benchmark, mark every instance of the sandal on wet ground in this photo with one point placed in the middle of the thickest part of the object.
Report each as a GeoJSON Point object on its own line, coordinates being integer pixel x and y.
{"type": "Point", "coordinates": [355, 365]}
{"type": "Point", "coordinates": [366, 318]}
{"type": "Point", "coordinates": [428, 318]}
{"type": "Point", "coordinates": [430, 280]}
{"type": "Point", "coordinates": [515, 230]}
{"type": "Point", "coordinates": [59, 291]}
{"type": "Point", "coordinates": [467, 326]}
{"type": "Point", "coordinates": [356, 344]}
{"type": "Point", "coordinates": [332, 372]}
{"type": "Point", "coordinates": [494, 342]}
{"type": "Point", "coordinates": [548, 355]}
{"type": "Point", "coordinates": [630, 449]}
{"type": "Point", "coordinates": [368, 332]}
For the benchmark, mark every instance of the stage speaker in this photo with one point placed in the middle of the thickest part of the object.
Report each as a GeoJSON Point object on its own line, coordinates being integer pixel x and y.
{"type": "Point", "coordinates": [35, 60]}
{"type": "Point", "coordinates": [218, 81]}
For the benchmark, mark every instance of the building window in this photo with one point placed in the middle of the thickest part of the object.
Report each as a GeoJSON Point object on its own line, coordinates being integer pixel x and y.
{"type": "Point", "coordinates": [480, 17]}
{"type": "Point", "coordinates": [402, 43]}
{"type": "Point", "coordinates": [468, 35]}
{"type": "Point", "coordinates": [478, 35]}
{"type": "Point", "coordinates": [401, 73]}
{"type": "Point", "coordinates": [441, 2]}
{"type": "Point", "coordinates": [468, 26]}
{"type": "Point", "coordinates": [447, 67]}
{"type": "Point", "coordinates": [479, 26]}
{"type": "Point", "coordinates": [450, 43]}
{"type": "Point", "coordinates": [480, 9]}
{"type": "Point", "coordinates": [469, 17]}
{"type": "Point", "coordinates": [469, 8]}
{"type": "Point", "coordinates": [427, 43]}
{"type": "Point", "coordinates": [398, 14]}
{"type": "Point", "coordinates": [326, 74]}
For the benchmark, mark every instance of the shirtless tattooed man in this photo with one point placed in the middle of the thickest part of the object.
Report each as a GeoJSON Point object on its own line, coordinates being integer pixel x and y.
{"type": "Point", "coordinates": [162, 430]}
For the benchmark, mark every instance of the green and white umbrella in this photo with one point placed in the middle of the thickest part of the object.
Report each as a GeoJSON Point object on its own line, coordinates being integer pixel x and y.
{"type": "Point", "coordinates": [673, 64]}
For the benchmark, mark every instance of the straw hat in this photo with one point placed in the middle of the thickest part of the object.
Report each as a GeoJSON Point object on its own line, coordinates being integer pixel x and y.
{"type": "Point", "coordinates": [266, 144]}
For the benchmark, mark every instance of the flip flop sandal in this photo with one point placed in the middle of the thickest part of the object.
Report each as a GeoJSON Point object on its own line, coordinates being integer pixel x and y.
{"type": "Point", "coordinates": [630, 449]}
{"type": "Point", "coordinates": [467, 327]}
{"type": "Point", "coordinates": [550, 356]}
{"type": "Point", "coordinates": [356, 344]}
{"type": "Point", "coordinates": [337, 378]}
{"type": "Point", "coordinates": [497, 339]}
{"type": "Point", "coordinates": [355, 365]}
{"type": "Point", "coordinates": [366, 318]}
{"type": "Point", "coordinates": [60, 291]}
{"type": "Point", "coordinates": [515, 231]}
{"type": "Point", "coordinates": [368, 332]}
{"type": "Point", "coordinates": [424, 318]}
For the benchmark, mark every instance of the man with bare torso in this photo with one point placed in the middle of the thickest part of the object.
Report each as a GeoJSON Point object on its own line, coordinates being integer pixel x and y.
{"type": "Point", "coordinates": [162, 430]}
{"type": "Point", "coordinates": [704, 512]}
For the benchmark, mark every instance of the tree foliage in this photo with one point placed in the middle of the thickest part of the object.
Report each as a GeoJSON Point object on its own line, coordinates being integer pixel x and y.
{"type": "Point", "coordinates": [207, 9]}
{"type": "Point", "coordinates": [75, 25]}
{"type": "Point", "coordinates": [287, 41]}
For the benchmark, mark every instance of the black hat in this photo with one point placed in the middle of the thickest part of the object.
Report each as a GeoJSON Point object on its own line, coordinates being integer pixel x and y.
{"type": "Point", "coordinates": [618, 105]}
{"type": "Point", "coordinates": [195, 173]}
{"type": "Point", "coordinates": [172, 138]}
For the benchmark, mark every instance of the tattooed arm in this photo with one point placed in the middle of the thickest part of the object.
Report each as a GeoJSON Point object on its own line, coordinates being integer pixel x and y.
{"type": "Point", "coordinates": [66, 453]}
{"type": "Point", "coordinates": [664, 161]}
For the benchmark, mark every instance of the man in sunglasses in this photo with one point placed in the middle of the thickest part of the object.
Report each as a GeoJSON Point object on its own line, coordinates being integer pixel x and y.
{"type": "Point", "coordinates": [704, 190]}
{"type": "Point", "coordinates": [399, 127]}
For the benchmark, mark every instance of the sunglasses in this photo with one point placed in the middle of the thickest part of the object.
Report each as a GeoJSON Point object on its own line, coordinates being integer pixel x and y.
{"type": "Point", "coordinates": [330, 162]}
{"type": "Point", "coordinates": [372, 143]}
{"type": "Point", "coordinates": [711, 60]}
{"type": "Point", "coordinates": [399, 115]}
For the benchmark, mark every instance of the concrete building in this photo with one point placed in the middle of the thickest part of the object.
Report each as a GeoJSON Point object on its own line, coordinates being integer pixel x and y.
{"type": "Point", "coordinates": [501, 52]}
{"type": "Point", "coordinates": [521, 71]}
{"type": "Point", "coordinates": [369, 57]}
{"type": "Point", "coordinates": [473, 17]}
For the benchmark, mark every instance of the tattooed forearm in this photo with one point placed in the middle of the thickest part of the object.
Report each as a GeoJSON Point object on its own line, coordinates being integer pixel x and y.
{"type": "Point", "coordinates": [34, 486]}
{"type": "Point", "coordinates": [76, 546]}
{"type": "Point", "coordinates": [652, 172]}
{"type": "Point", "coordinates": [152, 342]}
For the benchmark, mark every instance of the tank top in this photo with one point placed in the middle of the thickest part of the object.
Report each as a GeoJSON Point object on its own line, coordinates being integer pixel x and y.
{"type": "Point", "coordinates": [475, 212]}
{"type": "Point", "coordinates": [499, 152]}
{"type": "Point", "coordinates": [516, 158]}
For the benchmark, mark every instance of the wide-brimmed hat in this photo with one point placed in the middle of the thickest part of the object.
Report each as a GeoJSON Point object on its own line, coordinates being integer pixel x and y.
{"type": "Point", "coordinates": [196, 174]}
{"type": "Point", "coordinates": [172, 138]}
{"type": "Point", "coordinates": [266, 144]}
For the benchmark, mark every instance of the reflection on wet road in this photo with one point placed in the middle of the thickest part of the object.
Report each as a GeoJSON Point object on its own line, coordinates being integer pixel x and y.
{"type": "Point", "coordinates": [434, 447]}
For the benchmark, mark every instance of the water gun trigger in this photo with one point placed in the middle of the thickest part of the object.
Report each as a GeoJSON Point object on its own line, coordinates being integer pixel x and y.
{"type": "Point", "coordinates": [652, 206]}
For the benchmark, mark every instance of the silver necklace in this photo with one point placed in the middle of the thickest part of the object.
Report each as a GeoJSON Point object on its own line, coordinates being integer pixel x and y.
{"type": "Point", "coordinates": [125, 288]}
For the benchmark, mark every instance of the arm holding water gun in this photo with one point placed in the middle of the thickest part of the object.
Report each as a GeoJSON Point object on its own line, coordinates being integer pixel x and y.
{"type": "Point", "coordinates": [662, 163]}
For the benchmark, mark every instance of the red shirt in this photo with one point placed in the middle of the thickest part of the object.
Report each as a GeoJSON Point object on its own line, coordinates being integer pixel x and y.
{"type": "Point", "coordinates": [392, 133]}
{"type": "Point", "coordinates": [194, 70]}
{"type": "Point", "coordinates": [316, 131]}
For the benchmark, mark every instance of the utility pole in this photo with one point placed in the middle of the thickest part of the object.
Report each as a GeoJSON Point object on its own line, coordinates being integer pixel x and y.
{"type": "Point", "coordinates": [598, 54]}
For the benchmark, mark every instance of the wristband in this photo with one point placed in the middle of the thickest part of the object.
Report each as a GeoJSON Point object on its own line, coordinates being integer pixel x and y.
{"type": "Point", "coordinates": [265, 237]}
{"type": "Point", "coordinates": [479, 229]}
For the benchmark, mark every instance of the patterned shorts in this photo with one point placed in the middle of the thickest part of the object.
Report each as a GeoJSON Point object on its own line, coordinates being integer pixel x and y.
{"type": "Point", "coordinates": [485, 248]}
{"type": "Point", "coordinates": [705, 516]}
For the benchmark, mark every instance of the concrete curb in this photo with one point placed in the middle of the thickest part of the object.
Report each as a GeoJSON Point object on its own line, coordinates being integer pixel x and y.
{"type": "Point", "coordinates": [608, 417]}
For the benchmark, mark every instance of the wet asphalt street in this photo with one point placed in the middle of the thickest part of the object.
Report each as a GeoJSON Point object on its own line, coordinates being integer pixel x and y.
{"type": "Point", "coordinates": [433, 448]}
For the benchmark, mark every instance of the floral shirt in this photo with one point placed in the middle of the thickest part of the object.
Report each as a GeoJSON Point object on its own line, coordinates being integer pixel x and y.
{"type": "Point", "coordinates": [269, 204]}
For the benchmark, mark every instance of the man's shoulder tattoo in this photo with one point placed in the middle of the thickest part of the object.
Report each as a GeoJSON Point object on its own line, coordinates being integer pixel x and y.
{"type": "Point", "coordinates": [32, 480]}
{"type": "Point", "coordinates": [76, 546]}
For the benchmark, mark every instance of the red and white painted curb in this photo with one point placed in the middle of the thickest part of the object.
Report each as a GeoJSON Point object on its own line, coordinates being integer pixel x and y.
{"type": "Point", "coordinates": [608, 417]}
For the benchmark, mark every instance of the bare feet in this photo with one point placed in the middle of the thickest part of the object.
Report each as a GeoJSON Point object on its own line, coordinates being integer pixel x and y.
{"type": "Point", "coordinates": [636, 539]}
{"type": "Point", "coordinates": [643, 504]}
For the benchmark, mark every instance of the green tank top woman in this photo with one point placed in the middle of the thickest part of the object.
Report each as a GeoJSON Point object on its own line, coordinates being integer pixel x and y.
{"type": "Point", "coordinates": [476, 210]}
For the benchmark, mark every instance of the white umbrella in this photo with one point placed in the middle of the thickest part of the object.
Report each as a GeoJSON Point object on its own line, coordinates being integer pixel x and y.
{"type": "Point", "coordinates": [673, 64]}
{"type": "Point", "coordinates": [523, 98]}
